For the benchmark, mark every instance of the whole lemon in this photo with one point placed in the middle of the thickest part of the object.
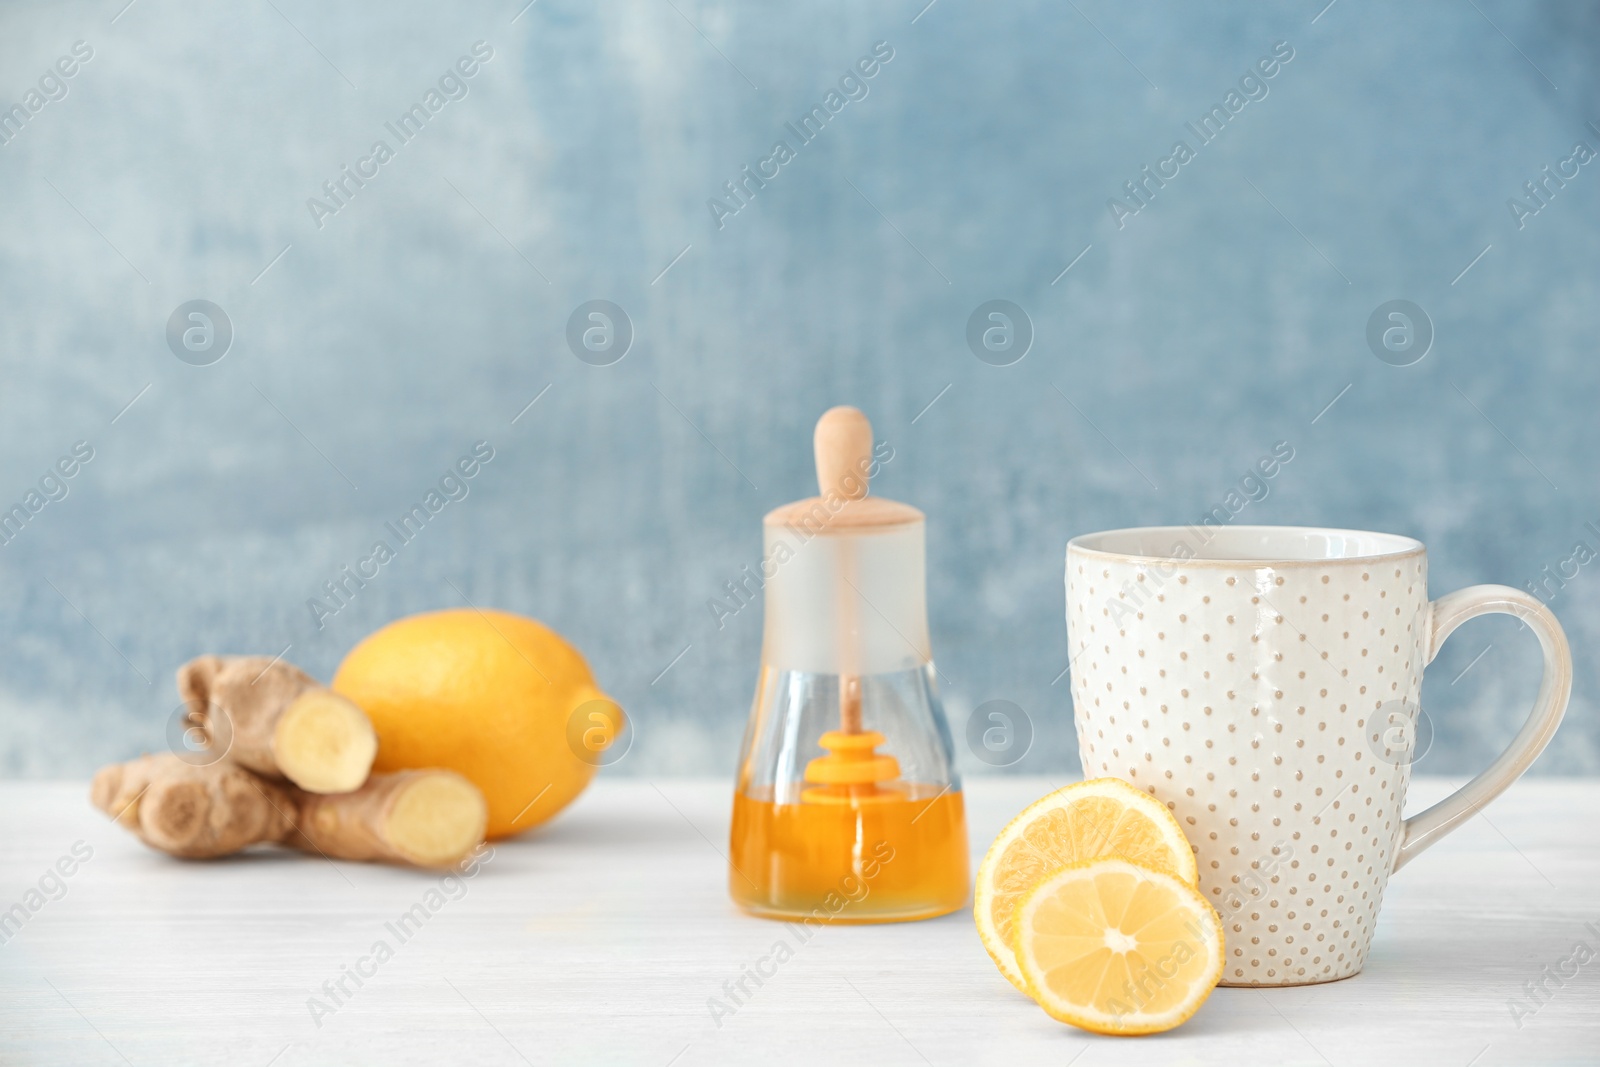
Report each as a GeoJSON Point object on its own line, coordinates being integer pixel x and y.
{"type": "Point", "coordinates": [488, 694]}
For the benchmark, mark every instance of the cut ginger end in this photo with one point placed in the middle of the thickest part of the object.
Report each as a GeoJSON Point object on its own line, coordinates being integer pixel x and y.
{"type": "Point", "coordinates": [436, 819]}
{"type": "Point", "coordinates": [324, 743]}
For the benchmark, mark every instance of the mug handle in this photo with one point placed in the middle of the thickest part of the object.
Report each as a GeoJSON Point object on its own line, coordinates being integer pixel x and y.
{"type": "Point", "coordinates": [1445, 614]}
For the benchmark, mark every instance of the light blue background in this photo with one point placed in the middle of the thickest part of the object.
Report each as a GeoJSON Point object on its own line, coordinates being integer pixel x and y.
{"type": "Point", "coordinates": [425, 315]}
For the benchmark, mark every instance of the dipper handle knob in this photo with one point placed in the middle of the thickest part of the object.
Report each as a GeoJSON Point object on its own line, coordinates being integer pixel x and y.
{"type": "Point", "coordinates": [843, 444]}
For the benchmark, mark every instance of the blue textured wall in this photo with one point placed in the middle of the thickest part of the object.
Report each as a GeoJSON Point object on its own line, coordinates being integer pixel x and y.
{"type": "Point", "coordinates": [424, 313]}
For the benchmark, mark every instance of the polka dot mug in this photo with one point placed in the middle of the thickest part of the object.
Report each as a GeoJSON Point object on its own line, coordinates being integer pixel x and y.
{"type": "Point", "coordinates": [1263, 682]}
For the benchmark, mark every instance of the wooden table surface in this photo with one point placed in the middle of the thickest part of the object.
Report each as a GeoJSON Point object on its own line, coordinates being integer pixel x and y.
{"type": "Point", "coordinates": [605, 938]}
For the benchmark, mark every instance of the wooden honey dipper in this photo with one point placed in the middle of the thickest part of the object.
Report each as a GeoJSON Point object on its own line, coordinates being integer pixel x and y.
{"type": "Point", "coordinates": [843, 447]}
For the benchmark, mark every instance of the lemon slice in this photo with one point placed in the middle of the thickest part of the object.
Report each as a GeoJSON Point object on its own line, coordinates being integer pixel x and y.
{"type": "Point", "coordinates": [1116, 948]}
{"type": "Point", "coordinates": [1102, 817]}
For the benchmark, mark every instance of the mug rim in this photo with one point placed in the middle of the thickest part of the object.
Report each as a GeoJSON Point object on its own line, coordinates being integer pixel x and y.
{"type": "Point", "coordinates": [1399, 546]}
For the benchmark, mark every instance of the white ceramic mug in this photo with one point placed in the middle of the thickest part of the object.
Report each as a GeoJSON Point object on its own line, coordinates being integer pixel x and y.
{"type": "Point", "coordinates": [1260, 681]}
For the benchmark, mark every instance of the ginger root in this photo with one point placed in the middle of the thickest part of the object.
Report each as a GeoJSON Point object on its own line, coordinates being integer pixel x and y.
{"type": "Point", "coordinates": [272, 718]}
{"type": "Point", "coordinates": [429, 818]}
{"type": "Point", "coordinates": [191, 810]}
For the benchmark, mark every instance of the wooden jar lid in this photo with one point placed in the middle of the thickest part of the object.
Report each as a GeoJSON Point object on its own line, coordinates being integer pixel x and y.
{"type": "Point", "coordinates": [843, 444]}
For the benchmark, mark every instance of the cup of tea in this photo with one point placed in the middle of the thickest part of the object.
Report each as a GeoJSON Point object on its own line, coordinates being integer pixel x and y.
{"type": "Point", "coordinates": [1263, 682]}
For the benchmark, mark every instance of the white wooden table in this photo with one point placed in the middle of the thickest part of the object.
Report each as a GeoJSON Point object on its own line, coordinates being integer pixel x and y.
{"type": "Point", "coordinates": [605, 938]}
